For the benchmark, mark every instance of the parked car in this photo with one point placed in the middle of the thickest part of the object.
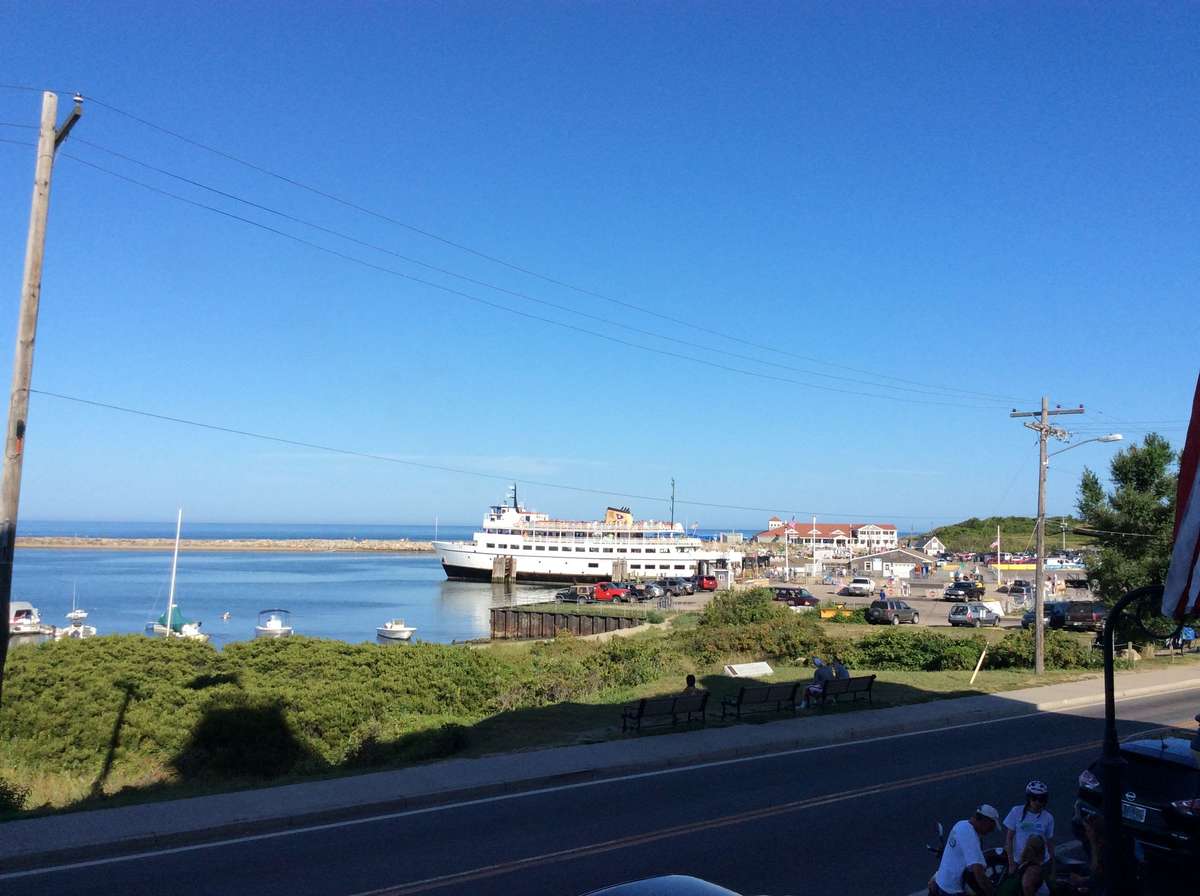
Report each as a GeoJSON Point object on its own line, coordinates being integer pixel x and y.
{"type": "Point", "coordinates": [676, 587]}
{"type": "Point", "coordinates": [637, 591]}
{"type": "Point", "coordinates": [610, 592]}
{"type": "Point", "coordinates": [1054, 614]}
{"type": "Point", "coordinates": [861, 586]}
{"type": "Point", "coordinates": [799, 599]}
{"type": "Point", "coordinates": [671, 885]}
{"type": "Point", "coordinates": [974, 614]}
{"type": "Point", "coordinates": [891, 612]}
{"type": "Point", "coordinates": [960, 591]}
{"type": "Point", "coordinates": [1160, 806]}
{"type": "Point", "coordinates": [577, 594]}
{"type": "Point", "coordinates": [706, 583]}
{"type": "Point", "coordinates": [1085, 616]}
{"type": "Point", "coordinates": [652, 590]}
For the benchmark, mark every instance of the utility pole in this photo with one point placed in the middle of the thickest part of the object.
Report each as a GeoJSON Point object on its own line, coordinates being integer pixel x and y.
{"type": "Point", "coordinates": [50, 136]}
{"type": "Point", "coordinates": [1044, 431]}
{"type": "Point", "coordinates": [672, 502]}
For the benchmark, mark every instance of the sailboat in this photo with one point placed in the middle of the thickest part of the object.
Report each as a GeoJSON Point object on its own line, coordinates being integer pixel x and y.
{"type": "Point", "coordinates": [173, 623]}
{"type": "Point", "coordinates": [76, 629]}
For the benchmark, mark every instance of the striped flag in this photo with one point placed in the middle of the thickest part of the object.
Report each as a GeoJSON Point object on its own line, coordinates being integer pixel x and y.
{"type": "Point", "coordinates": [1181, 595]}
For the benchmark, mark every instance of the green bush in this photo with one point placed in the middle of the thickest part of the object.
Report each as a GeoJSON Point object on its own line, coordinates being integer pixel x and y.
{"type": "Point", "coordinates": [12, 797]}
{"type": "Point", "coordinates": [742, 608]}
{"type": "Point", "coordinates": [913, 650]}
{"type": "Point", "coordinates": [654, 617]}
{"type": "Point", "coordinates": [788, 636]}
{"type": "Point", "coordinates": [1062, 651]}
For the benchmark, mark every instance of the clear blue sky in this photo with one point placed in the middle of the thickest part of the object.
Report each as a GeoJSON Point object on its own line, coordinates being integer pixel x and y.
{"type": "Point", "coordinates": [997, 198]}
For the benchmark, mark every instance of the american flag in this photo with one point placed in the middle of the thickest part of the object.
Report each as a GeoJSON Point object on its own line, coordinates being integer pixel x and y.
{"type": "Point", "coordinates": [1181, 595]}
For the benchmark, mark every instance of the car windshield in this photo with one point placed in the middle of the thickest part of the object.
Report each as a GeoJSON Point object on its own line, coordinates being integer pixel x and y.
{"type": "Point", "coordinates": [960, 611]}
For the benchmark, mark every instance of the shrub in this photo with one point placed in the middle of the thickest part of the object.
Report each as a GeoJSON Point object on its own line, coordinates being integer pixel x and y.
{"type": "Point", "coordinates": [742, 608]}
{"type": "Point", "coordinates": [1015, 651]}
{"type": "Point", "coordinates": [787, 636]}
{"type": "Point", "coordinates": [12, 797]}
{"type": "Point", "coordinates": [914, 650]}
{"type": "Point", "coordinates": [654, 616]}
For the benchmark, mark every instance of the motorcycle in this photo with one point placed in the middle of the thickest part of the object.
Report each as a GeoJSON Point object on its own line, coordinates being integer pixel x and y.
{"type": "Point", "coordinates": [995, 862]}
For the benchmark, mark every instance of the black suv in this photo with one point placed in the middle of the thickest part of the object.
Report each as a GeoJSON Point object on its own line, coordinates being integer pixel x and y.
{"type": "Point", "coordinates": [960, 591]}
{"type": "Point", "coordinates": [1160, 806]}
{"type": "Point", "coordinates": [1054, 615]}
{"type": "Point", "coordinates": [891, 612]}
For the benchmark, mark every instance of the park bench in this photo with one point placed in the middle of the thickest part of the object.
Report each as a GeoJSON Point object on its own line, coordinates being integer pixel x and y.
{"type": "Point", "coordinates": [764, 697]}
{"type": "Point", "coordinates": [851, 687]}
{"type": "Point", "coordinates": [683, 705]}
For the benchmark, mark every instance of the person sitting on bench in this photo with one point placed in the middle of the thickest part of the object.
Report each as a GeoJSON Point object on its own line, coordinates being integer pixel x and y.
{"type": "Point", "coordinates": [816, 691]}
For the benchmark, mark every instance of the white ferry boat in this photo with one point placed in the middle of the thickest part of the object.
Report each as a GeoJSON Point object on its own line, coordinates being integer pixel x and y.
{"type": "Point", "coordinates": [525, 546]}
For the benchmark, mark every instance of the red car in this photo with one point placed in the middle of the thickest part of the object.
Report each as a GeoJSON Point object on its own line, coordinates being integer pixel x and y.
{"type": "Point", "coordinates": [609, 591]}
{"type": "Point", "coordinates": [706, 583]}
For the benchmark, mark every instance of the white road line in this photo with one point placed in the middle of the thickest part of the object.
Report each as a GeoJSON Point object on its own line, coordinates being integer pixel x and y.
{"type": "Point", "coordinates": [408, 813]}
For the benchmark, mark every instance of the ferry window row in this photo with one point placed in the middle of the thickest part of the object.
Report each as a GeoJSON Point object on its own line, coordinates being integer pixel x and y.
{"type": "Point", "coordinates": [527, 547]}
{"type": "Point", "coordinates": [651, 566]}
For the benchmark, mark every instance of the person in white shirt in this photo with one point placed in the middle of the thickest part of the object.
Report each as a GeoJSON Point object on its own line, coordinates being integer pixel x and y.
{"type": "Point", "coordinates": [962, 858]}
{"type": "Point", "coordinates": [1022, 822]}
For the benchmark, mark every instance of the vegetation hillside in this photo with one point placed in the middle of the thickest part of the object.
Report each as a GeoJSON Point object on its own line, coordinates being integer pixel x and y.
{"type": "Point", "coordinates": [1016, 533]}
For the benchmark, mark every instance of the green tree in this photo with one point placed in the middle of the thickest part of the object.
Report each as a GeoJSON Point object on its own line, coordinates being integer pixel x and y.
{"type": "Point", "coordinates": [1134, 520]}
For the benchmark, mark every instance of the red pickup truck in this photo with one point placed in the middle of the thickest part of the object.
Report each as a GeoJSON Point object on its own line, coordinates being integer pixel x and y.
{"type": "Point", "coordinates": [609, 591]}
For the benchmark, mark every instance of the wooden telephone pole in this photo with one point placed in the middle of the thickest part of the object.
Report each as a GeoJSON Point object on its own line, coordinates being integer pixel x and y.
{"type": "Point", "coordinates": [1045, 431]}
{"type": "Point", "coordinates": [49, 138]}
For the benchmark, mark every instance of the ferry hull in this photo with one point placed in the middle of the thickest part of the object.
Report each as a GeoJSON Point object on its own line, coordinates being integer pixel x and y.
{"type": "Point", "coordinates": [470, 574]}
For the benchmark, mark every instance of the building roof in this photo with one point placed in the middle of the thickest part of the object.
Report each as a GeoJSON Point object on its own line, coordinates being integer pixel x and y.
{"type": "Point", "coordinates": [822, 530]}
{"type": "Point", "coordinates": [894, 555]}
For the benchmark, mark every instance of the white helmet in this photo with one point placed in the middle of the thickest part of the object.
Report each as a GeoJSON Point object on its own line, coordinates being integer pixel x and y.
{"type": "Point", "coordinates": [1037, 788]}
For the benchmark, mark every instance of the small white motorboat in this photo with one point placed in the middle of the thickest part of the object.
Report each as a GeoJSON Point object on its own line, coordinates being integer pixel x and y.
{"type": "Point", "coordinates": [273, 624]}
{"type": "Point", "coordinates": [24, 619]}
{"type": "Point", "coordinates": [395, 630]}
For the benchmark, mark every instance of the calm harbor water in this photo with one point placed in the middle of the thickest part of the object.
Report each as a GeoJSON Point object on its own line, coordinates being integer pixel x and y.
{"type": "Point", "coordinates": [331, 595]}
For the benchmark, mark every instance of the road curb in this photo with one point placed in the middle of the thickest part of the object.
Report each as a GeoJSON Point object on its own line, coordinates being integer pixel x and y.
{"type": "Point", "coordinates": [789, 741]}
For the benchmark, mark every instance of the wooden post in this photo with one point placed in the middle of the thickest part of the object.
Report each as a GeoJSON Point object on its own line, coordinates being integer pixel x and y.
{"type": "Point", "coordinates": [49, 137]}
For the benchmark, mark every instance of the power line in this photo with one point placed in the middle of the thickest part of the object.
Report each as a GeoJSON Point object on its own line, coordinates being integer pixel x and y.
{"type": "Point", "coordinates": [366, 455]}
{"type": "Point", "coordinates": [518, 294]}
{"type": "Point", "coordinates": [519, 268]}
{"type": "Point", "coordinates": [552, 280]}
{"type": "Point", "coordinates": [455, 292]}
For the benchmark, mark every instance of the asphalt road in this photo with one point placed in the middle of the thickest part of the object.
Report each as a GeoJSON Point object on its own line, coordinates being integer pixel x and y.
{"type": "Point", "coordinates": [843, 819]}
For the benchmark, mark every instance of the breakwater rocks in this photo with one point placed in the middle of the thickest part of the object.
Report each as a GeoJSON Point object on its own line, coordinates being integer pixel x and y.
{"type": "Point", "coordinates": [293, 545]}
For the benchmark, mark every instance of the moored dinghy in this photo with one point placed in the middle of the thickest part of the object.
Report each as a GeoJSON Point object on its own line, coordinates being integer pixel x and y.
{"type": "Point", "coordinates": [275, 623]}
{"type": "Point", "coordinates": [395, 630]}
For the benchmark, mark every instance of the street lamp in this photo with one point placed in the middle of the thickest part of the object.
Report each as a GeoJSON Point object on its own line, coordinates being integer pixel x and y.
{"type": "Point", "coordinates": [1039, 582]}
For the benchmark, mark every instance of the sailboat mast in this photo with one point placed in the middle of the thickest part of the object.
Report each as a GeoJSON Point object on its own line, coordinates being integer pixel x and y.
{"type": "Point", "coordinates": [174, 565]}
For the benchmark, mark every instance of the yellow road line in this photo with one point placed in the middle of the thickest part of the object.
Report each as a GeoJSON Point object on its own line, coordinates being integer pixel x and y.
{"type": "Point", "coordinates": [593, 849]}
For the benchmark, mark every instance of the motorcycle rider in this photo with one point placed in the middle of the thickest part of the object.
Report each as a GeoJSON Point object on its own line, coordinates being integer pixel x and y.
{"type": "Point", "coordinates": [963, 868]}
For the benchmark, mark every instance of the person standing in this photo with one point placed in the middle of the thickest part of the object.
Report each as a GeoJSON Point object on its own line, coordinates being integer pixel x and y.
{"type": "Point", "coordinates": [963, 856]}
{"type": "Point", "coordinates": [1029, 820]}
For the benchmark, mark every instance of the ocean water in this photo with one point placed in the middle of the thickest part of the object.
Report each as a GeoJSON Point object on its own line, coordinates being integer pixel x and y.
{"type": "Point", "coordinates": [330, 595]}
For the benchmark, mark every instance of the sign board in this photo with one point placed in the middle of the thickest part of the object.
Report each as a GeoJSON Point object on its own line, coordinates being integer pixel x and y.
{"type": "Point", "coordinates": [749, 670]}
